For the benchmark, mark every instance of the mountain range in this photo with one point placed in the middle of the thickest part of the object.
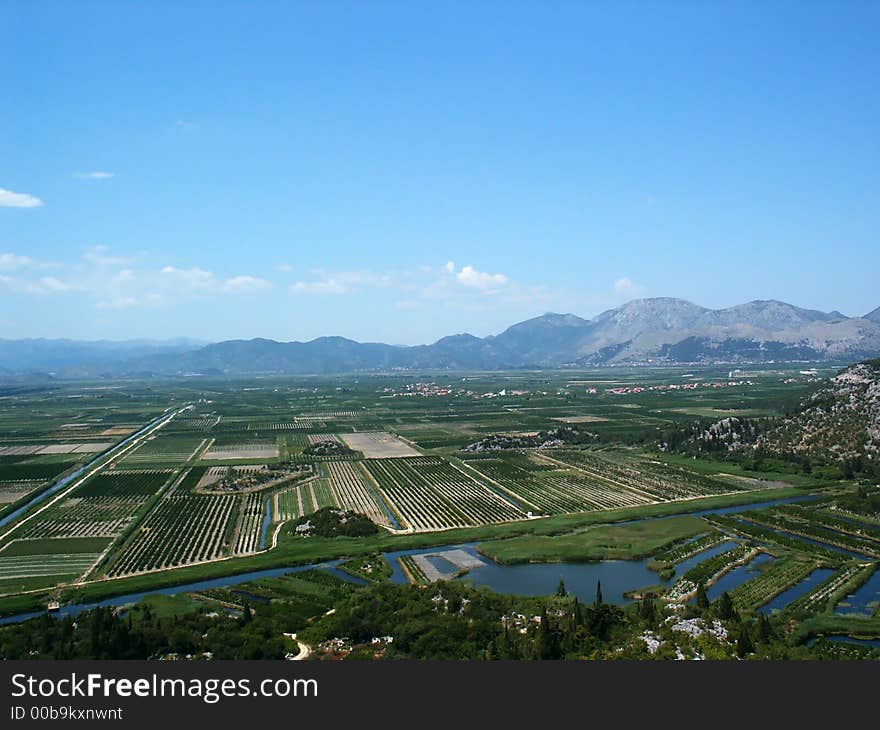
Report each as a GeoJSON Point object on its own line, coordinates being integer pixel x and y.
{"type": "Point", "coordinates": [643, 331]}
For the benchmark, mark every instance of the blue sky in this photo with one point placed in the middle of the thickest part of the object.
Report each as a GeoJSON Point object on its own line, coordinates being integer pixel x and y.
{"type": "Point", "coordinates": [402, 171]}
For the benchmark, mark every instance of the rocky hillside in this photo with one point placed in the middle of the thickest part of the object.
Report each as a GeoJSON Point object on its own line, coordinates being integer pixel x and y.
{"type": "Point", "coordinates": [838, 424]}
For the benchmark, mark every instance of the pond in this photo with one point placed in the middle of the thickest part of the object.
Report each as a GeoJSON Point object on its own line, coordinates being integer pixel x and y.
{"type": "Point", "coordinates": [541, 579]}
{"type": "Point", "coordinates": [581, 579]}
{"type": "Point", "coordinates": [267, 520]}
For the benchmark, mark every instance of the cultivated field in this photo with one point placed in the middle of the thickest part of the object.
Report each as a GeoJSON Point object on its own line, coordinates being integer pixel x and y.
{"type": "Point", "coordinates": [241, 451]}
{"type": "Point", "coordinates": [170, 500]}
{"type": "Point", "coordinates": [303, 499]}
{"type": "Point", "coordinates": [183, 528]}
{"type": "Point", "coordinates": [101, 508]}
{"type": "Point", "coordinates": [378, 445]}
{"type": "Point", "coordinates": [163, 449]}
{"type": "Point", "coordinates": [352, 490]}
{"type": "Point", "coordinates": [428, 493]}
{"type": "Point", "coordinates": [545, 488]}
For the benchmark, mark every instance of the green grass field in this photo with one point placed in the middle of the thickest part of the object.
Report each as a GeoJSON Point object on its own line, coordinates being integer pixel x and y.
{"type": "Point", "coordinates": [607, 542]}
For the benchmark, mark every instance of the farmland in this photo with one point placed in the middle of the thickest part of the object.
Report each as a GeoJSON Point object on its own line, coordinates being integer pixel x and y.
{"type": "Point", "coordinates": [219, 487]}
{"type": "Point", "coordinates": [182, 528]}
{"type": "Point", "coordinates": [431, 494]}
{"type": "Point", "coordinates": [544, 488]}
{"type": "Point", "coordinates": [352, 490]}
{"type": "Point", "coordinates": [101, 508]}
{"type": "Point", "coordinates": [378, 445]}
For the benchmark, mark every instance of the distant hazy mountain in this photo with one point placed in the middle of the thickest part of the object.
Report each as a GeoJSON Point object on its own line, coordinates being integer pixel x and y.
{"type": "Point", "coordinates": [660, 330]}
{"type": "Point", "coordinates": [72, 355]}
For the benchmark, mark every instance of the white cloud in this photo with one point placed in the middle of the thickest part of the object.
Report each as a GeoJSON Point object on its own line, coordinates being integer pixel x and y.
{"type": "Point", "coordinates": [100, 255]}
{"type": "Point", "coordinates": [626, 287]}
{"type": "Point", "coordinates": [474, 279]}
{"type": "Point", "coordinates": [466, 287]}
{"type": "Point", "coordinates": [51, 284]}
{"type": "Point", "coordinates": [41, 286]}
{"type": "Point", "coordinates": [119, 281]}
{"type": "Point", "coordinates": [325, 286]}
{"type": "Point", "coordinates": [244, 284]}
{"type": "Point", "coordinates": [469, 289]}
{"type": "Point", "coordinates": [346, 282]}
{"type": "Point", "coordinates": [199, 281]}
{"type": "Point", "coordinates": [194, 278]}
{"type": "Point", "coordinates": [94, 175]}
{"type": "Point", "coordinates": [10, 261]}
{"type": "Point", "coordinates": [121, 302]}
{"type": "Point", "coordinates": [9, 199]}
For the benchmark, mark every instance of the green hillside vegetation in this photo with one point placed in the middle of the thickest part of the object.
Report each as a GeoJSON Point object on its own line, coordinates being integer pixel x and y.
{"type": "Point", "coordinates": [834, 432]}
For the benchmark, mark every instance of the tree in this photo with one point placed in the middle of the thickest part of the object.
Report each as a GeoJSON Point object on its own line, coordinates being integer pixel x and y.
{"type": "Point", "coordinates": [246, 613]}
{"type": "Point", "coordinates": [548, 640]}
{"type": "Point", "coordinates": [763, 630]}
{"type": "Point", "coordinates": [647, 610]}
{"type": "Point", "coordinates": [744, 643]}
{"type": "Point", "coordinates": [602, 618]}
{"type": "Point", "coordinates": [724, 607]}
{"type": "Point", "coordinates": [577, 613]}
{"type": "Point", "coordinates": [599, 600]}
{"type": "Point", "coordinates": [702, 598]}
{"type": "Point", "coordinates": [560, 589]}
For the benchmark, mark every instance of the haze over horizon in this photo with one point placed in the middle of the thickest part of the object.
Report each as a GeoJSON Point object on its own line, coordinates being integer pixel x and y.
{"type": "Point", "coordinates": [184, 340]}
{"type": "Point", "coordinates": [391, 174]}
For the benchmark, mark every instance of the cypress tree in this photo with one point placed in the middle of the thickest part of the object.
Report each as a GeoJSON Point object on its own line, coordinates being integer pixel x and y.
{"type": "Point", "coordinates": [599, 600]}
{"type": "Point", "coordinates": [725, 608]}
{"type": "Point", "coordinates": [702, 598]}
{"type": "Point", "coordinates": [763, 630]}
{"type": "Point", "coordinates": [744, 643]}
{"type": "Point", "coordinates": [647, 610]}
{"type": "Point", "coordinates": [548, 641]}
